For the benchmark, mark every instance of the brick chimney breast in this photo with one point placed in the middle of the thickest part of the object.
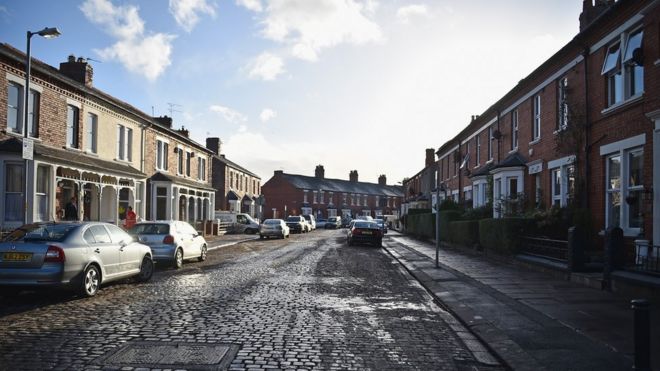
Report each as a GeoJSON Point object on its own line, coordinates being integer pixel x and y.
{"type": "Point", "coordinates": [214, 144]}
{"type": "Point", "coordinates": [164, 121]}
{"type": "Point", "coordinates": [319, 172]}
{"type": "Point", "coordinates": [78, 70]}
{"type": "Point", "coordinates": [430, 157]}
{"type": "Point", "coordinates": [353, 176]}
{"type": "Point", "coordinates": [382, 180]}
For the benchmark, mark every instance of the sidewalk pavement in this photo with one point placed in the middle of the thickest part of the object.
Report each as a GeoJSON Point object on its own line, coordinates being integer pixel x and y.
{"type": "Point", "coordinates": [216, 242]}
{"type": "Point", "coordinates": [531, 320]}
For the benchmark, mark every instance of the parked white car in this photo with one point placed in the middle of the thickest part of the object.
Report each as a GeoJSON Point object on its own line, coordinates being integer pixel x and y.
{"type": "Point", "coordinates": [311, 221]}
{"type": "Point", "coordinates": [172, 241]}
{"type": "Point", "coordinates": [274, 228]}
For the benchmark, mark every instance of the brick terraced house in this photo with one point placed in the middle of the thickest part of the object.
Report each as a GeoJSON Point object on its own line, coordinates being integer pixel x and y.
{"type": "Point", "coordinates": [92, 147]}
{"type": "Point", "coordinates": [582, 129]}
{"type": "Point", "coordinates": [290, 194]}
{"type": "Point", "coordinates": [237, 189]}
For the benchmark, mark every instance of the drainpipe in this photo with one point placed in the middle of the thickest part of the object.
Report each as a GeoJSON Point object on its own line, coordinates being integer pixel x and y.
{"type": "Point", "coordinates": [587, 147]}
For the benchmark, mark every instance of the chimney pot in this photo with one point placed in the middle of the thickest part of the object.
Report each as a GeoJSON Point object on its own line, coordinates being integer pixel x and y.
{"type": "Point", "coordinates": [214, 144]}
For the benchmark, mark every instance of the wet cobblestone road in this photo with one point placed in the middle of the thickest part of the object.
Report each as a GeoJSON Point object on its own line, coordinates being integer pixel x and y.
{"type": "Point", "coordinates": [309, 302]}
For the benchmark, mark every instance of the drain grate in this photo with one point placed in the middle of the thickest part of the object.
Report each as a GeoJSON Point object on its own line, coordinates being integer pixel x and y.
{"type": "Point", "coordinates": [191, 356]}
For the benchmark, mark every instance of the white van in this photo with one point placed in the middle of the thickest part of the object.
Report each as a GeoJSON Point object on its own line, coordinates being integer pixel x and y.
{"type": "Point", "coordinates": [240, 222]}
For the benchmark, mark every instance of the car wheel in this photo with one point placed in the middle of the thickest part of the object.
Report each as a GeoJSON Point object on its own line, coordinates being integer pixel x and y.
{"type": "Point", "coordinates": [203, 254]}
{"type": "Point", "coordinates": [90, 281]}
{"type": "Point", "coordinates": [379, 243]}
{"type": "Point", "coordinates": [178, 259]}
{"type": "Point", "coordinates": [261, 237]}
{"type": "Point", "coordinates": [146, 269]}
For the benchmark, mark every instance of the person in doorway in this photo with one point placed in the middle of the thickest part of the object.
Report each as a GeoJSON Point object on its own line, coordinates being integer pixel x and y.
{"type": "Point", "coordinates": [71, 210]}
{"type": "Point", "coordinates": [131, 218]}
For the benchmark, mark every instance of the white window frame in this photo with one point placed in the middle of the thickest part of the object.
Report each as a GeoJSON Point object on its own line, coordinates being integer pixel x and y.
{"type": "Point", "coordinates": [72, 126]}
{"type": "Point", "coordinates": [17, 212]}
{"type": "Point", "coordinates": [180, 167]}
{"type": "Point", "coordinates": [124, 143]}
{"type": "Point", "coordinates": [620, 71]}
{"type": "Point", "coordinates": [162, 160]}
{"type": "Point", "coordinates": [514, 130]}
{"type": "Point", "coordinates": [562, 103]}
{"type": "Point", "coordinates": [321, 197]}
{"type": "Point", "coordinates": [91, 132]}
{"type": "Point", "coordinates": [188, 171]}
{"type": "Point", "coordinates": [623, 190]}
{"type": "Point", "coordinates": [305, 196]}
{"type": "Point", "coordinates": [490, 143]}
{"type": "Point", "coordinates": [315, 198]}
{"type": "Point", "coordinates": [42, 198]}
{"type": "Point", "coordinates": [536, 118]}
{"type": "Point", "coordinates": [201, 168]}
{"type": "Point", "coordinates": [478, 156]}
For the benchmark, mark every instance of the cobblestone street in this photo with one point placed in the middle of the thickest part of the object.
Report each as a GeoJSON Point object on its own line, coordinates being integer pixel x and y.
{"type": "Point", "coordinates": [309, 302]}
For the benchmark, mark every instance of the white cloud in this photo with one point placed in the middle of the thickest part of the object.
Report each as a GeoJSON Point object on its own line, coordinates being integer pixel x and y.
{"type": "Point", "coordinates": [187, 12]}
{"type": "Point", "coordinates": [229, 114]}
{"type": "Point", "coordinates": [266, 66]}
{"type": "Point", "coordinates": [253, 5]}
{"type": "Point", "coordinates": [405, 13]}
{"type": "Point", "coordinates": [267, 114]}
{"type": "Point", "coordinates": [311, 26]}
{"type": "Point", "coordinates": [148, 55]}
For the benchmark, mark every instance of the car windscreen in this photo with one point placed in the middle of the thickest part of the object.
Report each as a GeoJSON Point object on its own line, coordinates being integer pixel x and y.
{"type": "Point", "coordinates": [365, 225]}
{"type": "Point", "coordinates": [41, 232]}
{"type": "Point", "coordinates": [332, 220]}
{"type": "Point", "coordinates": [293, 219]}
{"type": "Point", "coordinates": [150, 228]}
{"type": "Point", "coordinates": [272, 221]}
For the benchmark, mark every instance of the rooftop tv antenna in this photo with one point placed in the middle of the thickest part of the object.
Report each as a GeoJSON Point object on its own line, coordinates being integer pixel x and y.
{"type": "Point", "coordinates": [173, 107]}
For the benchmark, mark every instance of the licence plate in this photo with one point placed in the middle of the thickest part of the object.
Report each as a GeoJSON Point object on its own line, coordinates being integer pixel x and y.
{"type": "Point", "coordinates": [16, 257]}
{"type": "Point", "coordinates": [366, 232]}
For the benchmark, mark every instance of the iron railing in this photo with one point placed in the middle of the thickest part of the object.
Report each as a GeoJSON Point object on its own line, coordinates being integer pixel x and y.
{"type": "Point", "coordinates": [545, 248]}
{"type": "Point", "coordinates": [647, 258]}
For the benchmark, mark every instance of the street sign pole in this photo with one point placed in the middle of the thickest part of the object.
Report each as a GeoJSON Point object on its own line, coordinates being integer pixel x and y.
{"type": "Point", "coordinates": [437, 225]}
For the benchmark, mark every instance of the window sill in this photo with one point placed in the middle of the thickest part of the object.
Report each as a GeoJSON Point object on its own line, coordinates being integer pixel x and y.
{"type": "Point", "coordinates": [20, 135]}
{"type": "Point", "coordinates": [118, 160]}
{"type": "Point", "coordinates": [72, 149]}
{"type": "Point", "coordinates": [535, 141]}
{"type": "Point", "coordinates": [513, 150]}
{"type": "Point", "coordinates": [489, 162]}
{"type": "Point", "coordinates": [616, 106]}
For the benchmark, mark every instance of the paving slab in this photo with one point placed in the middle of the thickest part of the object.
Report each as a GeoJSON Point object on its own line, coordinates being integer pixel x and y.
{"type": "Point", "coordinates": [530, 319]}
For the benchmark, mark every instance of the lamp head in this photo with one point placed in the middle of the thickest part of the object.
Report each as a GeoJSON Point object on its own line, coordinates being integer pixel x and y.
{"type": "Point", "coordinates": [49, 32]}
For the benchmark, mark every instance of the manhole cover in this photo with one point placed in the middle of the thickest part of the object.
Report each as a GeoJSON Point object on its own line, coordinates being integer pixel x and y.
{"type": "Point", "coordinates": [191, 356]}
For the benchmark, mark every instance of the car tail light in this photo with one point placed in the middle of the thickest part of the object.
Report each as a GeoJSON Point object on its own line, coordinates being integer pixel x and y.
{"type": "Point", "coordinates": [354, 231]}
{"type": "Point", "coordinates": [169, 239]}
{"type": "Point", "coordinates": [54, 254]}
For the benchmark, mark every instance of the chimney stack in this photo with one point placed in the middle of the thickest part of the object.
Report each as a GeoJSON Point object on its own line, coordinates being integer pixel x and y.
{"type": "Point", "coordinates": [353, 176]}
{"type": "Point", "coordinates": [214, 144]}
{"type": "Point", "coordinates": [183, 131]}
{"type": "Point", "coordinates": [319, 172]}
{"type": "Point", "coordinates": [278, 172]}
{"type": "Point", "coordinates": [382, 180]}
{"type": "Point", "coordinates": [164, 121]}
{"type": "Point", "coordinates": [78, 70]}
{"type": "Point", "coordinates": [591, 11]}
{"type": "Point", "coordinates": [430, 157]}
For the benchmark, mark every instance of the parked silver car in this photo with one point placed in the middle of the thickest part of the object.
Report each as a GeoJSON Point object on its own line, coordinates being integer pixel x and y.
{"type": "Point", "coordinates": [80, 255]}
{"type": "Point", "coordinates": [274, 228]}
{"type": "Point", "coordinates": [171, 241]}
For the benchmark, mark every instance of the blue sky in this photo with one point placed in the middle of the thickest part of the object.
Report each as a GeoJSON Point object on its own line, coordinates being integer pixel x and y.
{"type": "Point", "coordinates": [290, 84]}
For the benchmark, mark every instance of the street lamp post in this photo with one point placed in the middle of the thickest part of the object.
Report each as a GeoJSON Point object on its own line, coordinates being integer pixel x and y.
{"type": "Point", "coordinates": [48, 33]}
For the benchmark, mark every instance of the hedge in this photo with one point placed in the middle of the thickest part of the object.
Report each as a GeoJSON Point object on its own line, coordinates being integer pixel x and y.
{"type": "Point", "coordinates": [421, 225]}
{"type": "Point", "coordinates": [503, 235]}
{"type": "Point", "coordinates": [446, 217]}
{"type": "Point", "coordinates": [464, 232]}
